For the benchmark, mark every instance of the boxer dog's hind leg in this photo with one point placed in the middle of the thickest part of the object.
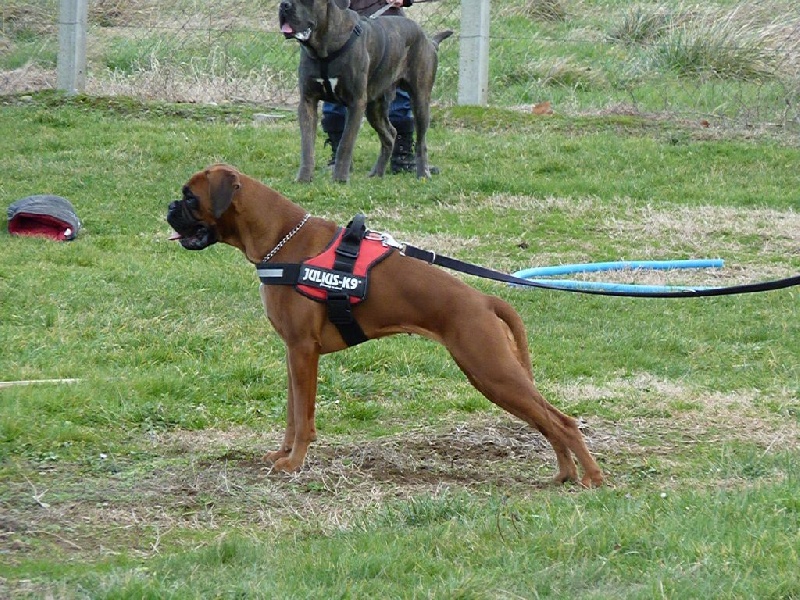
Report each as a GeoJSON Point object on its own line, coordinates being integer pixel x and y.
{"type": "Point", "coordinates": [574, 442]}
{"type": "Point", "coordinates": [517, 337]}
{"type": "Point", "coordinates": [303, 361]}
{"type": "Point", "coordinates": [486, 351]}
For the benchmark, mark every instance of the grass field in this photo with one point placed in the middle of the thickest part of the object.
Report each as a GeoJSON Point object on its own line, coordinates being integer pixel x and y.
{"type": "Point", "coordinates": [145, 478]}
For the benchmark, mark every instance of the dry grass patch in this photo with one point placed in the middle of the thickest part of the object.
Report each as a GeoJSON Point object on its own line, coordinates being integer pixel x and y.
{"type": "Point", "coordinates": [696, 416]}
{"type": "Point", "coordinates": [22, 15]}
{"type": "Point", "coordinates": [658, 232]}
{"type": "Point", "coordinates": [741, 410]}
{"type": "Point", "coordinates": [748, 41]}
{"type": "Point", "coordinates": [28, 78]}
{"type": "Point", "coordinates": [207, 86]}
{"type": "Point", "coordinates": [727, 229]}
{"type": "Point", "coordinates": [763, 241]}
{"type": "Point", "coordinates": [537, 10]}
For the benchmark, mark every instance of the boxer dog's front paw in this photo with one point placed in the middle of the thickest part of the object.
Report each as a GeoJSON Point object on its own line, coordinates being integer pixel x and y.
{"type": "Point", "coordinates": [287, 464]}
{"type": "Point", "coordinates": [276, 455]}
{"type": "Point", "coordinates": [592, 480]}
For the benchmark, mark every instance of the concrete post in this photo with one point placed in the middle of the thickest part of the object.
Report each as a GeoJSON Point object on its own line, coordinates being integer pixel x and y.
{"type": "Point", "coordinates": [72, 23]}
{"type": "Point", "coordinates": [473, 69]}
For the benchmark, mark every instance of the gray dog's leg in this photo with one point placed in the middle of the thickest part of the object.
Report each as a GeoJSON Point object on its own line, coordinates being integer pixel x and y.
{"type": "Point", "coordinates": [344, 154]}
{"type": "Point", "coordinates": [307, 118]}
{"type": "Point", "coordinates": [378, 118]}
{"type": "Point", "coordinates": [421, 103]}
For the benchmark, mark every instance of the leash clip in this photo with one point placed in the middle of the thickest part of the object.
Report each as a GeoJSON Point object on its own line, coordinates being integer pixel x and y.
{"type": "Point", "coordinates": [387, 241]}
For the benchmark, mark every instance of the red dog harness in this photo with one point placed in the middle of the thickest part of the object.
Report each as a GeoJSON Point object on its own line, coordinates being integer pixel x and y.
{"type": "Point", "coordinates": [337, 277]}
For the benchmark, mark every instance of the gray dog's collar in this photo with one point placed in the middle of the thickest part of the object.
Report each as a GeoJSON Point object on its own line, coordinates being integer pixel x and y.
{"type": "Point", "coordinates": [357, 31]}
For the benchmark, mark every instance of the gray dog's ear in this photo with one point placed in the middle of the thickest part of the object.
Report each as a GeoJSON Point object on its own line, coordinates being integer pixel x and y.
{"type": "Point", "coordinates": [342, 4]}
{"type": "Point", "coordinates": [223, 183]}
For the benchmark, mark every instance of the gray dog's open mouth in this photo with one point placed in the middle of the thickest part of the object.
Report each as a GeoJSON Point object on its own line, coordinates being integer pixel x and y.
{"type": "Point", "coordinates": [289, 32]}
{"type": "Point", "coordinates": [292, 27]}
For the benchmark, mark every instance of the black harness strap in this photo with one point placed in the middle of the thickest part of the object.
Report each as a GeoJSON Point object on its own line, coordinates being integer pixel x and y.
{"type": "Point", "coordinates": [324, 61]}
{"type": "Point", "coordinates": [339, 308]}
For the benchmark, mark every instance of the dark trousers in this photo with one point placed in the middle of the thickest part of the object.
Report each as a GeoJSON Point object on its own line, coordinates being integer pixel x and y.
{"type": "Point", "coordinates": [400, 115]}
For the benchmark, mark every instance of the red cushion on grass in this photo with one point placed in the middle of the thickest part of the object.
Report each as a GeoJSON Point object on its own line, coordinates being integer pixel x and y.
{"type": "Point", "coordinates": [44, 215]}
{"type": "Point", "coordinates": [40, 225]}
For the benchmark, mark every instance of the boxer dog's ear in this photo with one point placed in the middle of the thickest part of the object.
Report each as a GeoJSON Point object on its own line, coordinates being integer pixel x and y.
{"type": "Point", "coordinates": [223, 183]}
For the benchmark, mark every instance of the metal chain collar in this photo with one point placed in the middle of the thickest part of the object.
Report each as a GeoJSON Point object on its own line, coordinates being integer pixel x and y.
{"type": "Point", "coordinates": [286, 238]}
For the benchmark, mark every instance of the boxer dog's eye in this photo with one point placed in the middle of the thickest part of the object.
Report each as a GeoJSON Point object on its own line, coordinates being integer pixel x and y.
{"type": "Point", "coordinates": [191, 201]}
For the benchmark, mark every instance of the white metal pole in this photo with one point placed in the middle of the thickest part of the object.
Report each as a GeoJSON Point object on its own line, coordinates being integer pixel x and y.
{"type": "Point", "coordinates": [473, 71]}
{"type": "Point", "coordinates": [72, 25]}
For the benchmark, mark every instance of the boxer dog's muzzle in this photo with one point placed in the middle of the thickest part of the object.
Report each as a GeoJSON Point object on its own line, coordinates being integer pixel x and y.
{"type": "Point", "coordinates": [190, 230]}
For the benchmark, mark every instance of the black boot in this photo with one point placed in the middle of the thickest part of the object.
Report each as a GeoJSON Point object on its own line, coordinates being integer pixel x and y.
{"type": "Point", "coordinates": [333, 139]}
{"type": "Point", "coordinates": [404, 159]}
{"type": "Point", "coordinates": [333, 126]}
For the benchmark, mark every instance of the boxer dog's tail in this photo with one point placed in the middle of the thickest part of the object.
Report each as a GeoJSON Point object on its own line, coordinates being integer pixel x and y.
{"type": "Point", "coordinates": [516, 327]}
{"type": "Point", "coordinates": [440, 37]}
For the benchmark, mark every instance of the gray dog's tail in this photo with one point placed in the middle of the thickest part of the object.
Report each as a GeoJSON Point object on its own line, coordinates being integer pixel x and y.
{"type": "Point", "coordinates": [440, 37]}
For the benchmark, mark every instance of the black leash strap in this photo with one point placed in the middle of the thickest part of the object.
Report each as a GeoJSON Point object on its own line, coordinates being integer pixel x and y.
{"type": "Point", "coordinates": [478, 271]}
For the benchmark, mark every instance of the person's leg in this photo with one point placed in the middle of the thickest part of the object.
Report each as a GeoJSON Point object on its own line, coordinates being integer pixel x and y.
{"type": "Point", "coordinates": [402, 119]}
{"type": "Point", "coordinates": [333, 117]}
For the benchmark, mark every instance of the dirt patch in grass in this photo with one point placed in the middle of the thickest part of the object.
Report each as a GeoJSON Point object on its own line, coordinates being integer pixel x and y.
{"type": "Point", "coordinates": [206, 481]}
{"type": "Point", "coordinates": [212, 481]}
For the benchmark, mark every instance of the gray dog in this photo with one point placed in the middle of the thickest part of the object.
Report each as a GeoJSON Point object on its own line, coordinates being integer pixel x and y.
{"type": "Point", "coordinates": [359, 62]}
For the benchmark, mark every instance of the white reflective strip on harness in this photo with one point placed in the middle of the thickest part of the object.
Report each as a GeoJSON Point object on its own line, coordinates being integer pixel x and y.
{"type": "Point", "coordinates": [270, 273]}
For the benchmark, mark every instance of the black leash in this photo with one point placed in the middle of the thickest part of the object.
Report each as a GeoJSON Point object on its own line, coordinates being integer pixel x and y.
{"type": "Point", "coordinates": [485, 273]}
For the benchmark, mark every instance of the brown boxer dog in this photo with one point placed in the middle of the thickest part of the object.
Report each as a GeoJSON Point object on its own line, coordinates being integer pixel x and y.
{"type": "Point", "coordinates": [484, 334]}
